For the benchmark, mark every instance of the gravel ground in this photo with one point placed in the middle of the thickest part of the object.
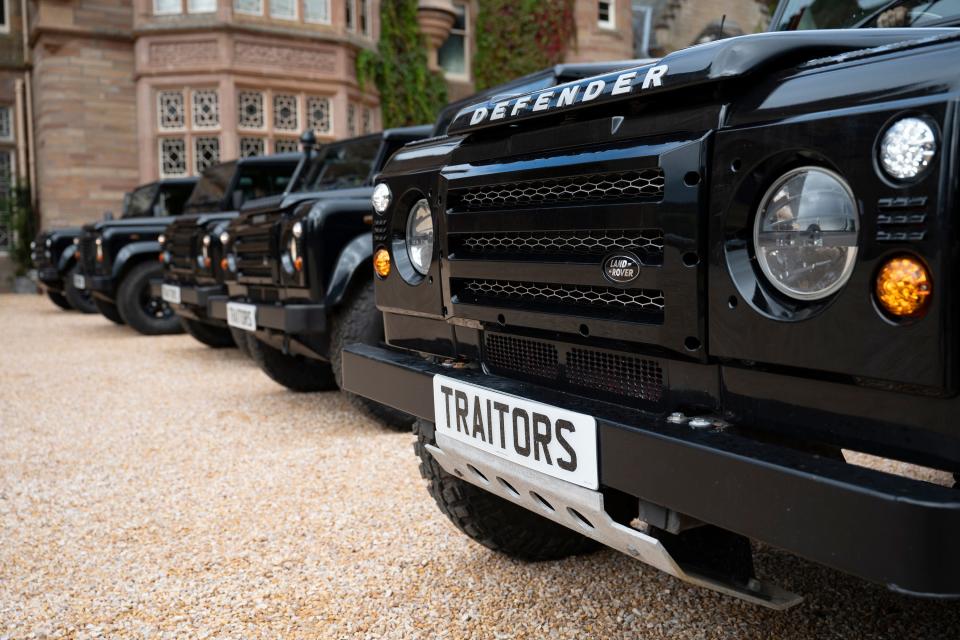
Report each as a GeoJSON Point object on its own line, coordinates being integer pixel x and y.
{"type": "Point", "coordinates": [152, 487]}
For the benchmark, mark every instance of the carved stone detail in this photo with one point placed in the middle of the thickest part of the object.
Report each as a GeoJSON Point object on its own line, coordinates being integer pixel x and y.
{"type": "Point", "coordinates": [317, 61]}
{"type": "Point", "coordinates": [184, 54]}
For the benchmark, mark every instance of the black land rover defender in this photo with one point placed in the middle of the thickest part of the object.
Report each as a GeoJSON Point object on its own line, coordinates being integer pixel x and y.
{"type": "Point", "coordinates": [302, 282]}
{"type": "Point", "coordinates": [651, 309]}
{"type": "Point", "coordinates": [119, 257]}
{"type": "Point", "coordinates": [192, 245]}
{"type": "Point", "coordinates": [54, 256]}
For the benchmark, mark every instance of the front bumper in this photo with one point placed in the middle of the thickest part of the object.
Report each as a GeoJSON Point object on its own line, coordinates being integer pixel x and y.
{"type": "Point", "coordinates": [291, 319]}
{"type": "Point", "coordinates": [101, 286]}
{"type": "Point", "coordinates": [887, 529]}
{"type": "Point", "coordinates": [196, 301]}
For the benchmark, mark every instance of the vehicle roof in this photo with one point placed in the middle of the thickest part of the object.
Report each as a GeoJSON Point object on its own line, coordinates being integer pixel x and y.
{"type": "Point", "coordinates": [414, 132]}
{"type": "Point", "coordinates": [276, 158]}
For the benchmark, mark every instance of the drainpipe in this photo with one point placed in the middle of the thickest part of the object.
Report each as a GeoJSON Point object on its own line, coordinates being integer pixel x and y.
{"type": "Point", "coordinates": [28, 96]}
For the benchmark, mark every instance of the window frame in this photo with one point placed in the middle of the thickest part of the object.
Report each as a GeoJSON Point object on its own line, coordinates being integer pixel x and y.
{"type": "Point", "coordinates": [467, 57]}
{"type": "Point", "coordinates": [11, 122]}
{"type": "Point", "coordinates": [611, 22]}
{"type": "Point", "coordinates": [190, 131]}
{"type": "Point", "coordinates": [329, 19]}
{"type": "Point", "coordinates": [244, 12]}
{"type": "Point", "coordinates": [5, 14]}
{"type": "Point", "coordinates": [294, 18]}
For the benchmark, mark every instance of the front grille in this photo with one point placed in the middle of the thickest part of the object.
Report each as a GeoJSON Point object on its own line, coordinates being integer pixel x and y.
{"type": "Point", "coordinates": [606, 373]}
{"type": "Point", "coordinates": [645, 184]}
{"type": "Point", "coordinates": [88, 252]}
{"type": "Point", "coordinates": [647, 244]}
{"type": "Point", "coordinates": [252, 248]}
{"type": "Point", "coordinates": [180, 237]}
{"type": "Point", "coordinates": [493, 291]}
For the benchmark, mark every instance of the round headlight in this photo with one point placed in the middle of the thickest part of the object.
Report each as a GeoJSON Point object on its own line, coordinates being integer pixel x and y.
{"type": "Point", "coordinates": [49, 242]}
{"type": "Point", "coordinates": [907, 148]}
{"type": "Point", "coordinates": [162, 239]}
{"type": "Point", "coordinates": [381, 198]}
{"type": "Point", "coordinates": [224, 238]}
{"type": "Point", "coordinates": [33, 244]}
{"type": "Point", "coordinates": [206, 241]}
{"type": "Point", "coordinates": [420, 237]}
{"type": "Point", "coordinates": [805, 234]}
{"type": "Point", "coordinates": [297, 229]}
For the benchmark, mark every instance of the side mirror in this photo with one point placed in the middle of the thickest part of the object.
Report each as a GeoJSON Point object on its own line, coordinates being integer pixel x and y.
{"type": "Point", "coordinates": [236, 199]}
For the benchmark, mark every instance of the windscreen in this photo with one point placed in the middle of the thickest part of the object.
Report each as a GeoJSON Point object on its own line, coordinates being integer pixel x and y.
{"type": "Point", "coordinates": [844, 14]}
{"type": "Point", "coordinates": [260, 181]}
{"type": "Point", "coordinates": [138, 202]}
{"type": "Point", "coordinates": [343, 165]}
{"type": "Point", "coordinates": [212, 186]}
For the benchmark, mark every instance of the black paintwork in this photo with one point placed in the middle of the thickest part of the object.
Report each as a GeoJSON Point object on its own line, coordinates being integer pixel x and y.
{"type": "Point", "coordinates": [729, 118]}
{"type": "Point", "coordinates": [54, 253]}
{"type": "Point", "coordinates": [294, 306]}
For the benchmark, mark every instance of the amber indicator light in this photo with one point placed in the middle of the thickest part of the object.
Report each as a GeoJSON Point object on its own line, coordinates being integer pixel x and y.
{"type": "Point", "coordinates": [224, 264]}
{"type": "Point", "coordinates": [904, 287]}
{"type": "Point", "coordinates": [298, 264]}
{"type": "Point", "coordinates": [381, 262]}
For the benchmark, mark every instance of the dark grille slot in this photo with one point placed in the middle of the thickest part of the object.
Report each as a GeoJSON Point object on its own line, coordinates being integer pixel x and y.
{"type": "Point", "coordinates": [638, 381]}
{"type": "Point", "coordinates": [180, 246]}
{"type": "Point", "coordinates": [617, 374]}
{"type": "Point", "coordinates": [88, 252]}
{"type": "Point", "coordinates": [380, 231]}
{"type": "Point", "coordinates": [529, 357]}
{"type": "Point", "coordinates": [252, 248]}
{"type": "Point", "coordinates": [646, 243]}
{"type": "Point", "coordinates": [645, 184]}
{"type": "Point", "coordinates": [491, 291]}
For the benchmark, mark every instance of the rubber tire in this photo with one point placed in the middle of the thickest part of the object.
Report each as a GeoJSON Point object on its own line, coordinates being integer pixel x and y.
{"type": "Point", "coordinates": [60, 300]}
{"type": "Point", "coordinates": [242, 340]}
{"type": "Point", "coordinates": [82, 301]}
{"type": "Point", "coordinates": [357, 319]}
{"type": "Point", "coordinates": [494, 522]}
{"type": "Point", "coordinates": [209, 334]}
{"type": "Point", "coordinates": [128, 301]}
{"type": "Point", "coordinates": [108, 310]}
{"type": "Point", "coordinates": [292, 371]}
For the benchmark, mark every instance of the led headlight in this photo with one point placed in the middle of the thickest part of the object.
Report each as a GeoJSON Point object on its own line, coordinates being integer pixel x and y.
{"type": "Point", "coordinates": [206, 241]}
{"type": "Point", "coordinates": [420, 237]}
{"type": "Point", "coordinates": [907, 148]}
{"type": "Point", "coordinates": [297, 230]}
{"type": "Point", "coordinates": [224, 238]}
{"type": "Point", "coordinates": [805, 234]}
{"type": "Point", "coordinates": [381, 198]}
{"type": "Point", "coordinates": [162, 239]}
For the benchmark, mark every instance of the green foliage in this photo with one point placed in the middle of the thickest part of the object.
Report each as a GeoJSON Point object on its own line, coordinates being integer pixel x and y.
{"type": "Point", "coordinates": [517, 37]}
{"type": "Point", "coordinates": [17, 215]}
{"type": "Point", "coordinates": [409, 92]}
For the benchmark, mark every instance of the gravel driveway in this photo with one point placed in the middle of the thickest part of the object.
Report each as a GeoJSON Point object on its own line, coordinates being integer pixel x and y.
{"type": "Point", "coordinates": [152, 487]}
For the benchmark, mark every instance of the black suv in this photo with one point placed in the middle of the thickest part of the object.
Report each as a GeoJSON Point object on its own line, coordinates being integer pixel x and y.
{"type": "Point", "coordinates": [119, 257]}
{"type": "Point", "coordinates": [54, 256]}
{"type": "Point", "coordinates": [652, 308]}
{"type": "Point", "coordinates": [301, 263]}
{"type": "Point", "coordinates": [192, 245]}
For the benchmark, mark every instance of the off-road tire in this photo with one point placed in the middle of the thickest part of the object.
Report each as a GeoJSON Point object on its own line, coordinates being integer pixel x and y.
{"type": "Point", "coordinates": [494, 522]}
{"type": "Point", "coordinates": [133, 299]}
{"type": "Point", "coordinates": [108, 310]}
{"type": "Point", "coordinates": [292, 371]}
{"type": "Point", "coordinates": [242, 340]}
{"type": "Point", "coordinates": [357, 319]}
{"type": "Point", "coordinates": [82, 301]}
{"type": "Point", "coordinates": [210, 335]}
{"type": "Point", "coordinates": [60, 300]}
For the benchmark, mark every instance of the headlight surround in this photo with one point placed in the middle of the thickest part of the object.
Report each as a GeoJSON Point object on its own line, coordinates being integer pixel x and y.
{"type": "Point", "coordinates": [907, 148]}
{"type": "Point", "coordinates": [381, 198]}
{"type": "Point", "coordinates": [419, 237]}
{"type": "Point", "coordinates": [805, 233]}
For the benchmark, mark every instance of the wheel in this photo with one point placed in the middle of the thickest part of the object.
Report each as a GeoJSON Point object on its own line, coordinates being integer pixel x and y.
{"type": "Point", "coordinates": [109, 310]}
{"type": "Point", "coordinates": [209, 334]}
{"type": "Point", "coordinates": [292, 371]}
{"type": "Point", "coordinates": [59, 299]}
{"type": "Point", "coordinates": [80, 300]}
{"type": "Point", "coordinates": [242, 339]}
{"type": "Point", "coordinates": [139, 308]}
{"type": "Point", "coordinates": [495, 523]}
{"type": "Point", "coordinates": [358, 320]}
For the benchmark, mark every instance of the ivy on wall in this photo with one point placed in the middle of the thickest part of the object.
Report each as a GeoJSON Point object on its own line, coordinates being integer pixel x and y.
{"type": "Point", "coordinates": [409, 92]}
{"type": "Point", "coordinates": [517, 37]}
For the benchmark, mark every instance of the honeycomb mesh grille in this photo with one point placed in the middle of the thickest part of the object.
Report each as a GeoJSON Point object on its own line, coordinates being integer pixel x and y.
{"type": "Point", "coordinates": [624, 185]}
{"type": "Point", "coordinates": [648, 300]}
{"type": "Point", "coordinates": [577, 369]}
{"type": "Point", "coordinates": [614, 373]}
{"type": "Point", "coordinates": [646, 243]}
{"type": "Point", "coordinates": [529, 357]}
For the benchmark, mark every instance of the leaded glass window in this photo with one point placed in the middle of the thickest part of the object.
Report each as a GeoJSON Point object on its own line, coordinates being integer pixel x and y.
{"type": "Point", "coordinates": [251, 109]}
{"type": "Point", "coordinates": [316, 11]}
{"type": "Point", "coordinates": [206, 152]}
{"type": "Point", "coordinates": [285, 116]}
{"type": "Point", "coordinates": [167, 7]}
{"type": "Point", "coordinates": [351, 119]}
{"type": "Point", "coordinates": [286, 145]}
{"type": "Point", "coordinates": [285, 9]}
{"type": "Point", "coordinates": [173, 157]}
{"type": "Point", "coordinates": [318, 114]}
{"type": "Point", "coordinates": [206, 109]}
{"type": "Point", "coordinates": [251, 7]}
{"type": "Point", "coordinates": [251, 147]}
{"type": "Point", "coordinates": [6, 123]}
{"type": "Point", "coordinates": [170, 110]}
{"type": "Point", "coordinates": [366, 120]}
{"type": "Point", "coordinates": [201, 6]}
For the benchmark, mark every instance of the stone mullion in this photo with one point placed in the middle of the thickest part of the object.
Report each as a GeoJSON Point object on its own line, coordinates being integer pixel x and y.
{"type": "Point", "coordinates": [230, 136]}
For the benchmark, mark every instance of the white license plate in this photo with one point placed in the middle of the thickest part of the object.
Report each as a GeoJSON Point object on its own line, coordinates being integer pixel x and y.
{"type": "Point", "coordinates": [553, 441]}
{"type": "Point", "coordinates": [242, 316]}
{"type": "Point", "coordinates": [170, 293]}
{"type": "Point", "coordinates": [79, 282]}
